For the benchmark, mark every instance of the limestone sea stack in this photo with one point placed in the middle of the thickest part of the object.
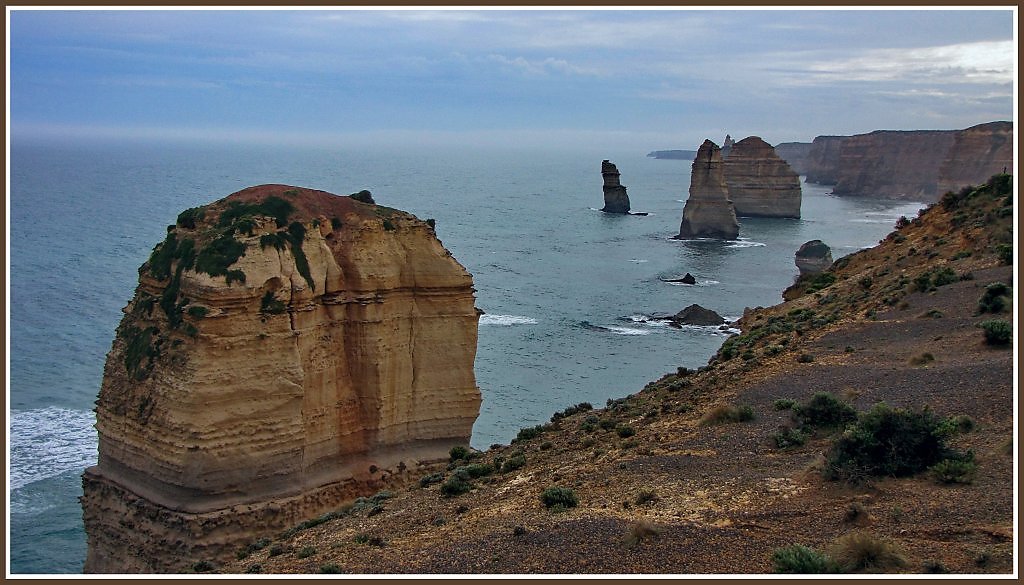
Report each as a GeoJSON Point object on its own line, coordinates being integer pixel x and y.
{"type": "Point", "coordinates": [615, 198]}
{"type": "Point", "coordinates": [813, 257]}
{"type": "Point", "coordinates": [286, 350]}
{"type": "Point", "coordinates": [708, 212]}
{"type": "Point", "coordinates": [761, 184]}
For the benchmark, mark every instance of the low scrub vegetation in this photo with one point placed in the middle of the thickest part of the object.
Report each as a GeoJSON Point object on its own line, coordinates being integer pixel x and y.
{"type": "Point", "coordinates": [728, 413]}
{"type": "Point", "coordinates": [555, 498]}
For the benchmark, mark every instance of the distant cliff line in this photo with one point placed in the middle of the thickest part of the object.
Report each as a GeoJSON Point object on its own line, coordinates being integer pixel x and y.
{"type": "Point", "coordinates": [917, 165]}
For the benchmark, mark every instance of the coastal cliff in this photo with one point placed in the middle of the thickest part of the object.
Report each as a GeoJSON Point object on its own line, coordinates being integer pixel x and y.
{"type": "Point", "coordinates": [796, 154]}
{"type": "Point", "coordinates": [708, 212]}
{"type": "Point", "coordinates": [761, 184]}
{"type": "Point", "coordinates": [286, 349]}
{"type": "Point", "coordinates": [918, 165]}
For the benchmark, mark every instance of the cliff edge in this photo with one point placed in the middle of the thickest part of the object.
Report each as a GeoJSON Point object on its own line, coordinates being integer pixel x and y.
{"type": "Point", "coordinates": [285, 349]}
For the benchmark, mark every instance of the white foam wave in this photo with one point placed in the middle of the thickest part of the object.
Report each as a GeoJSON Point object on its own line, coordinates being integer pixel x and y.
{"type": "Point", "coordinates": [698, 283]}
{"type": "Point", "coordinates": [49, 441]}
{"type": "Point", "coordinates": [505, 320]}
{"type": "Point", "coordinates": [637, 260]}
{"type": "Point", "coordinates": [626, 330]}
{"type": "Point", "coordinates": [745, 244]}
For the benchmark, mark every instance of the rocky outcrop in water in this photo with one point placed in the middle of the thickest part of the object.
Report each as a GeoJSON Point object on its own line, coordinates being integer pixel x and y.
{"type": "Point", "coordinates": [708, 212]}
{"type": "Point", "coordinates": [615, 198]}
{"type": "Point", "coordinates": [919, 165]}
{"type": "Point", "coordinates": [760, 183]}
{"type": "Point", "coordinates": [697, 315]}
{"type": "Point", "coordinates": [286, 350]}
{"type": "Point", "coordinates": [813, 257]}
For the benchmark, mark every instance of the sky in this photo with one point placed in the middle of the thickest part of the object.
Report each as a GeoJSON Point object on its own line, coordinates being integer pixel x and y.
{"type": "Point", "coordinates": [647, 79]}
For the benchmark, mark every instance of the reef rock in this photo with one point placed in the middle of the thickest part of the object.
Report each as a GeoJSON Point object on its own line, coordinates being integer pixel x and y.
{"type": "Point", "coordinates": [286, 350]}
{"type": "Point", "coordinates": [760, 183]}
{"type": "Point", "coordinates": [708, 212]}
{"type": "Point", "coordinates": [615, 198]}
{"type": "Point", "coordinates": [813, 257]}
{"type": "Point", "coordinates": [697, 315]}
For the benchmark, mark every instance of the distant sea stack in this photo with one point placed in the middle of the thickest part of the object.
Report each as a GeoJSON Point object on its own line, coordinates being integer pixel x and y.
{"type": "Point", "coordinates": [727, 145]}
{"type": "Point", "coordinates": [708, 212]}
{"type": "Point", "coordinates": [286, 350]}
{"type": "Point", "coordinates": [918, 165]}
{"type": "Point", "coordinates": [760, 183]}
{"type": "Point", "coordinates": [615, 198]}
{"type": "Point", "coordinates": [673, 154]}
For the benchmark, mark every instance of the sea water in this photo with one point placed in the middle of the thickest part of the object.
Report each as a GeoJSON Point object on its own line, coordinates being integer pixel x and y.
{"type": "Point", "coordinates": [566, 289]}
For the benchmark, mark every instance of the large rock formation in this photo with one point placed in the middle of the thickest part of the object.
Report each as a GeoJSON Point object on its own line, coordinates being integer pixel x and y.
{"type": "Point", "coordinates": [697, 315]}
{"type": "Point", "coordinates": [813, 257]}
{"type": "Point", "coordinates": [977, 153]}
{"type": "Point", "coordinates": [286, 350]}
{"type": "Point", "coordinates": [708, 212]}
{"type": "Point", "coordinates": [615, 198]}
{"type": "Point", "coordinates": [760, 183]}
{"type": "Point", "coordinates": [796, 154]}
{"type": "Point", "coordinates": [918, 165]}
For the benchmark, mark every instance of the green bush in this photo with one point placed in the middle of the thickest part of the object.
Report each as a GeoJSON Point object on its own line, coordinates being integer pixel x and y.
{"type": "Point", "coordinates": [783, 404]}
{"type": "Point", "coordinates": [823, 410]}
{"type": "Point", "coordinates": [330, 568]}
{"type": "Point", "coordinates": [625, 431]}
{"type": "Point", "coordinates": [189, 217]}
{"type": "Point", "coordinates": [458, 483]}
{"type": "Point", "coordinates": [888, 442]}
{"type": "Point", "coordinates": [799, 559]}
{"type": "Point", "coordinates": [994, 298]}
{"type": "Point", "coordinates": [198, 311]}
{"type": "Point", "coordinates": [955, 469]}
{"type": "Point", "coordinates": [272, 206]}
{"type": "Point", "coordinates": [513, 463]}
{"type": "Point", "coordinates": [559, 496]}
{"type": "Point", "coordinates": [215, 257]}
{"type": "Point", "coordinates": [458, 452]}
{"type": "Point", "coordinates": [527, 433]}
{"type": "Point", "coordinates": [789, 437]}
{"type": "Point", "coordinates": [364, 196]}
{"type": "Point", "coordinates": [997, 332]}
{"type": "Point", "coordinates": [944, 276]}
{"type": "Point", "coordinates": [1005, 253]}
{"type": "Point", "coordinates": [478, 469]}
{"type": "Point", "coordinates": [581, 407]}
{"type": "Point", "coordinates": [202, 566]}
{"type": "Point", "coordinates": [431, 479]}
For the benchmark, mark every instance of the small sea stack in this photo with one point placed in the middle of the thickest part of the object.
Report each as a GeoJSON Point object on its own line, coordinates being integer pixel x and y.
{"type": "Point", "coordinates": [813, 257]}
{"type": "Point", "coordinates": [708, 213]}
{"type": "Point", "coordinates": [615, 198]}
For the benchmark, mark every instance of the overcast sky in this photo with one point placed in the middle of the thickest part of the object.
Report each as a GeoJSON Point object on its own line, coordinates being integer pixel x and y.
{"type": "Point", "coordinates": [642, 79]}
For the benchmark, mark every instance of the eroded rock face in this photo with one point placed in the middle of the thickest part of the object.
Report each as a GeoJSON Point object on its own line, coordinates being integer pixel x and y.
{"type": "Point", "coordinates": [813, 257]}
{"type": "Point", "coordinates": [708, 212]}
{"type": "Point", "coordinates": [286, 349]}
{"type": "Point", "coordinates": [977, 153]}
{"type": "Point", "coordinates": [822, 164]}
{"type": "Point", "coordinates": [615, 198]}
{"type": "Point", "coordinates": [760, 183]}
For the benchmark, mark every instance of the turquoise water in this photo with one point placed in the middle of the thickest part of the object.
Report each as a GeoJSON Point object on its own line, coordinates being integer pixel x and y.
{"type": "Point", "coordinates": [565, 287]}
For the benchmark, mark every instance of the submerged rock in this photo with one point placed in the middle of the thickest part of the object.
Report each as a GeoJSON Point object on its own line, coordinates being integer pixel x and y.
{"type": "Point", "coordinates": [286, 350]}
{"type": "Point", "coordinates": [813, 257]}
{"type": "Point", "coordinates": [761, 184]}
{"type": "Point", "coordinates": [686, 279]}
{"type": "Point", "coordinates": [615, 198]}
{"type": "Point", "coordinates": [708, 213]}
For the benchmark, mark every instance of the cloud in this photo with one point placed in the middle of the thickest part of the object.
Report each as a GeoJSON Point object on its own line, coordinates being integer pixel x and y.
{"type": "Point", "coordinates": [541, 67]}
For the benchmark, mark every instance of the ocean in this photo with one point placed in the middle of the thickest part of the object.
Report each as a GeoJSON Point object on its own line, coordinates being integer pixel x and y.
{"type": "Point", "coordinates": [566, 289]}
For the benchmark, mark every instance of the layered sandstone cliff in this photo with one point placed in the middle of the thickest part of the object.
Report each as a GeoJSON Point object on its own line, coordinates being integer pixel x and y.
{"type": "Point", "coordinates": [761, 184]}
{"type": "Point", "coordinates": [615, 198]}
{"type": "Point", "coordinates": [708, 212]}
{"type": "Point", "coordinates": [977, 153]}
{"type": "Point", "coordinates": [919, 165]}
{"type": "Point", "coordinates": [286, 349]}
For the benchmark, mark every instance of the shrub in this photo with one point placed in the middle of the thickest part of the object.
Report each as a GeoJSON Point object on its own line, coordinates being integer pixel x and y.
{"type": "Point", "coordinates": [902, 222]}
{"type": "Point", "coordinates": [944, 276]}
{"type": "Point", "coordinates": [189, 217]}
{"type": "Point", "coordinates": [824, 410]}
{"type": "Point", "coordinates": [581, 407]}
{"type": "Point", "coordinates": [478, 470]}
{"type": "Point", "coordinates": [364, 196]}
{"type": "Point", "coordinates": [783, 404]}
{"type": "Point", "coordinates": [997, 332]}
{"type": "Point", "coordinates": [202, 566]}
{"type": "Point", "coordinates": [639, 530]}
{"type": "Point", "coordinates": [527, 433]}
{"type": "Point", "coordinates": [458, 483]}
{"type": "Point", "coordinates": [956, 469]}
{"type": "Point", "coordinates": [458, 452]}
{"type": "Point", "coordinates": [513, 463]}
{"type": "Point", "coordinates": [1005, 253]}
{"type": "Point", "coordinates": [330, 568]}
{"type": "Point", "coordinates": [559, 496]}
{"type": "Point", "coordinates": [727, 414]}
{"type": "Point", "coordinates": [198, 311]}
{"type": "Point", "coordinates": [805, 358]}
{"type": "Point", "coordinates": [920, 360]}
{"type": "Point", "coordinates": [272, 206]}
{"type": "Point", "coordinates": [799, 559]}
{"type": "Point", "coordinates": [431, 479]}
{"type": "Point", "coordinates": [625, 431]}
{"type": "Point", "coordinates": [890, 442]}
{"type": "Point", "coordinates": [216, 256]}
{"type": "Point", "coordinates": [994, 298]}
{"type": "Point", "coordinates": [646, 497]}
{"type": "Point", "coordinates": [607, 424]}
{"type": "Point", "coordinates": [305, 552]}
{"type": "Point", "coordinates": [858, 551]}
{"type": "Point", "coordinates": [254, 568]}
{"type": "Point", "coordinates": [789, 437]}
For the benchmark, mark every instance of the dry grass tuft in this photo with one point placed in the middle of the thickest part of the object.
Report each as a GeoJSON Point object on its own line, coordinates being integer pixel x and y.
{"type": "Point", "coordinates": [638, 530]}
{"type": "Point", "coordinates": [863, 551]}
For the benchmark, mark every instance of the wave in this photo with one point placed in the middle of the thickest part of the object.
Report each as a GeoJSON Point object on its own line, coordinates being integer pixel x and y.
{"type": "Point", "coordinates": [625, 330]}
{"type": "Point", "coordinates": [735, 244]}
{"type": "Point", "coordinates": [50, 441]}
{"type": "Point", "coordinates": [637, 260]}
{"type": "Point", "coordinates": [506, 320]}
{"type": "Point", "coordinates": [698, 283]}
